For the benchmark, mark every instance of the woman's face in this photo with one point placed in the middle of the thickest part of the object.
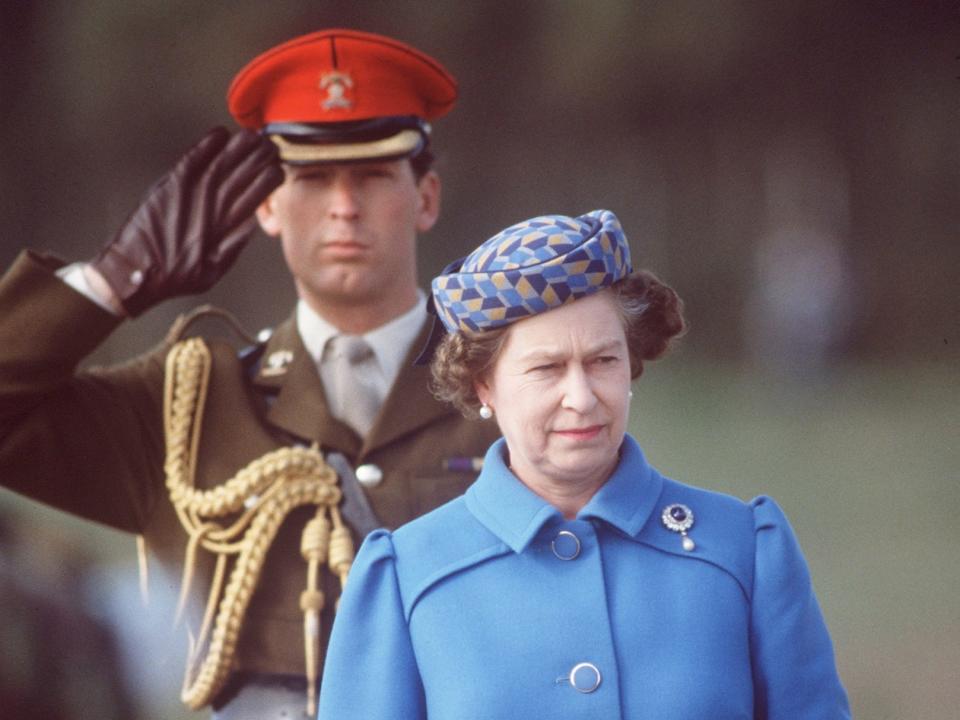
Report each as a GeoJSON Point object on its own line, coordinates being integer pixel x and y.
{"type": "Point", "coordinates": [559, 391]}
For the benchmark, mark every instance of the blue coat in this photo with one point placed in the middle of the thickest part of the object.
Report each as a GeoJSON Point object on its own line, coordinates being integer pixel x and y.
{"type": "Point", "coordinates": [481, 609]}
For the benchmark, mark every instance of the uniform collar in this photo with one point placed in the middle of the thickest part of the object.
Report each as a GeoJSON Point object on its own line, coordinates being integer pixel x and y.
{"type": "Point", "coordinates": [515, 514]}
{"type": "Point", "coordinates": [300, 404]}
{"type": "Point", "coordinates": [314, 330]}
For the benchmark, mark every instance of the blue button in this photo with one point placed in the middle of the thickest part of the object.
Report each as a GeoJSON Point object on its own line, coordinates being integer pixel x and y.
{"type": "Point", "coordinates": [565, 545]}
{"type": "Point", "coordinates": [585, 677]}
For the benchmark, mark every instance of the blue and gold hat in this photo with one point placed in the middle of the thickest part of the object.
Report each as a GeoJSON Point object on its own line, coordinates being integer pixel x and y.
{"type": "Point", "coordinates": [532, 267]}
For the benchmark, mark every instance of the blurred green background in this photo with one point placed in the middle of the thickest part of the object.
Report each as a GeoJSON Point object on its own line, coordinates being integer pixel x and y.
{"type": "Point", "coordinates": [791, 168]}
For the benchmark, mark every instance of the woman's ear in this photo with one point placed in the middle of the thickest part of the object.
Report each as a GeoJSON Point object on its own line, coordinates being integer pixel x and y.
{"type": "Point", "coordinates": [267, 215]}
{"type": "Point", "coordinates": [482, 389]}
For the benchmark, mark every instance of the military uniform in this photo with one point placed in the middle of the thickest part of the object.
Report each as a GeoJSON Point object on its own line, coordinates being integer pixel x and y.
{"type": "Point", "coordinates": [216, 453]}
{"type": "Point", "coordinates": [91, 443]}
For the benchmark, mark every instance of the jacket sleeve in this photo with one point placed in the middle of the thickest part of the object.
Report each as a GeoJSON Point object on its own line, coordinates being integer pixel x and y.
{"type": "Point", "coordinates": [795, 675]}
{"type": "Point", "coordinates": [370, 669]}
{"type": "Point", "coordinates": [87, 442]}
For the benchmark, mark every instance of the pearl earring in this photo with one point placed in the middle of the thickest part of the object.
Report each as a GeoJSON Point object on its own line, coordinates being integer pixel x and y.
{"type": "Point", "coordinates": [630, 394]}
{"type": "Point", "coordinates": [485, 412]}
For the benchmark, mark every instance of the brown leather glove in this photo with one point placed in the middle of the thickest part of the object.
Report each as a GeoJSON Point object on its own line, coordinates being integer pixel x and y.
{"type": "Point", "coordinates": [193, 222]}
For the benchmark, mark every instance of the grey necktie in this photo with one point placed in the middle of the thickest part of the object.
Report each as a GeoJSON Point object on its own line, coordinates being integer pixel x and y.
{"type": "Point", "coordinates": [354, 365]}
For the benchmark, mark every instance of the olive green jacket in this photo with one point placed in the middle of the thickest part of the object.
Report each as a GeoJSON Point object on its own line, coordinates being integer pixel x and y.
{"type": "Point", "coordinates": [91, 442]}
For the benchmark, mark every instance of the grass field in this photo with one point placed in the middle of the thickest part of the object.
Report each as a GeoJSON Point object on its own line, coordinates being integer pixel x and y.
{"type": "Point", "coordinates": [864, 462]}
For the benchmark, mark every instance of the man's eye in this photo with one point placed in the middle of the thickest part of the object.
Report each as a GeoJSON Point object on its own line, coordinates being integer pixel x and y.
{"type": "Point", "coordinates": [314, 177]}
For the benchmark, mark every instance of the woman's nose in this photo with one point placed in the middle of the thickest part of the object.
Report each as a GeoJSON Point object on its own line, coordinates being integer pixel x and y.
{"type": "Point", "coordinates": [578, 394]}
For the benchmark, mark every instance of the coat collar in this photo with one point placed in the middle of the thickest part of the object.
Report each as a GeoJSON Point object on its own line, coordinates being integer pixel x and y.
{"type": "Point", "coordinates": [515, 514]}
{"type": "Point", "coordinates": [300, 407]}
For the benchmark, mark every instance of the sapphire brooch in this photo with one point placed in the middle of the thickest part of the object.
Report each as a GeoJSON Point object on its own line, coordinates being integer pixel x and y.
{"type": "Point", "coordinates": [679, 519]}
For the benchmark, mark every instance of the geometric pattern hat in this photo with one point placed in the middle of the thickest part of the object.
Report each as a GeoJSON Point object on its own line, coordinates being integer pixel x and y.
{"type": "Point", "coordinates": [532, 267]}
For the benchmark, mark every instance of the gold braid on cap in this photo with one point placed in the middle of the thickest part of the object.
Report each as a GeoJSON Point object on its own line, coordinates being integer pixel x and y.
{"type": "Point", "coordinates": [258, 497]}
{"type": "Point", "coordinates": [402, 143]}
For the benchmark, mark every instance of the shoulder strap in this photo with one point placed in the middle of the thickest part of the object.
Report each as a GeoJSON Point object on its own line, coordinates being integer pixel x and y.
{"type": "Point", "coordinates": [178, 331]}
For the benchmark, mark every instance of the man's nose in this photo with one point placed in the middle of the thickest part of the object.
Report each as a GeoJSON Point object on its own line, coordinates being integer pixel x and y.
{"type": "Point", "coordinates": [343, 199]}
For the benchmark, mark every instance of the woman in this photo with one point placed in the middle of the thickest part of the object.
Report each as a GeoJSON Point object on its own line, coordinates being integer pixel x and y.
{"type": "Point", "coordinates": [573, 580]}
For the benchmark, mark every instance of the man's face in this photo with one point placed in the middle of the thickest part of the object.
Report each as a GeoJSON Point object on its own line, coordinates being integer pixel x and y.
{"type": "Point", "coordinates": [349, 230]}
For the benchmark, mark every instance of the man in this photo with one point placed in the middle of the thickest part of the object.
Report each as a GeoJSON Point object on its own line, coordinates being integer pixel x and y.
{"type": "Point", "coordinates": [220, 457]}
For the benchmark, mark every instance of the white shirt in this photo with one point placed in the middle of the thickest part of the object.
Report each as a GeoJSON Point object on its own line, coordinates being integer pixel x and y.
{"type": "Point", "coordinates": [73, 276]}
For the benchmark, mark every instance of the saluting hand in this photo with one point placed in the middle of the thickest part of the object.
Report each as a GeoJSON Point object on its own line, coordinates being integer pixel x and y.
{"type": "Point", "coordinates": [193, 222]}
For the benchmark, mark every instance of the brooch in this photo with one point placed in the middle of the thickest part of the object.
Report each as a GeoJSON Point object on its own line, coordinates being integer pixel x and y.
{"type": "Point", "coordinates": [679, 518]}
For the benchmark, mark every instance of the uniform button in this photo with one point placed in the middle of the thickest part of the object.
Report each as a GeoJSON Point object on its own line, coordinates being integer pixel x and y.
{"type": "Point", "coordinates": [585, 677]}
{"type": "Point", "coordinates": [369, 475]}
{"type": "Point", "coordinates": [565, 545]}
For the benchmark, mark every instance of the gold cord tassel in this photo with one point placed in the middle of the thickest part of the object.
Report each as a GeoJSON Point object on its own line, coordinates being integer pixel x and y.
{"type": "Point", "coordinates": [262, 494]}
{"type": "Point", "coordinates": [341, 548]}
{"type": "Point", "coordinates": [314, 546]}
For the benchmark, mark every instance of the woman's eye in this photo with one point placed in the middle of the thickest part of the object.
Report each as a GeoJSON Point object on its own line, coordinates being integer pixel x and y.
{"type": "Point", "coordinates": [607, 359]}
{"type": "Point", "coordinates": [544, 368]}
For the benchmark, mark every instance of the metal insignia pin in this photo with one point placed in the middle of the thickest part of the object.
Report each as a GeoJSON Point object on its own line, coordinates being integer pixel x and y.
{"type": "Point", "coordinates": [277, 363]}
{"type": "Point", "coordinates": [336, 84]}
{"type": "Point", "coordinates": [679, 518]}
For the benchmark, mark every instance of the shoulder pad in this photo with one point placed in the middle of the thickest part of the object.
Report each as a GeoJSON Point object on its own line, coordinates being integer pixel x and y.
{"type": "Point", "coordinates": [427, 551]}
{"type": "Point", "coordinates": [722, 531]}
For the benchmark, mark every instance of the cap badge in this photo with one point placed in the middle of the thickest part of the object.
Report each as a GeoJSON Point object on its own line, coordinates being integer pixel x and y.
{"type": "Point", "coordinates": [336, 84]}
{"type": "Point", "coordinates": [679, 519]}
{"type": "Point", "coordinates": [277, 363]}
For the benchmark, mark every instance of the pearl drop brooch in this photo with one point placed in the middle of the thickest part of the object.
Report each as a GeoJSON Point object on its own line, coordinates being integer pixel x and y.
{"type": "Point", "coordinates": [679, 519]}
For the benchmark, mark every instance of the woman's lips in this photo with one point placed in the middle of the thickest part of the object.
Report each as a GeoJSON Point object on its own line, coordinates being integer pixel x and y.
{"type": "Point", "coordinates": [584, 433]}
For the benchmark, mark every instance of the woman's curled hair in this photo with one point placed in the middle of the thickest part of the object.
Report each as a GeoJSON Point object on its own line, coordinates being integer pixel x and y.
{"type": "Point", "coordinates": [652, 315]}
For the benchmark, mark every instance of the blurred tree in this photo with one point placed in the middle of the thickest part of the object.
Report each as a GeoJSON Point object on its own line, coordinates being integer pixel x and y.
{"type": "Point", "coordinates": [669, 114]}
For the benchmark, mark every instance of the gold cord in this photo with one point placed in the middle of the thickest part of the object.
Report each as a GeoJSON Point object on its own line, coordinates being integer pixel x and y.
{"type": "Point", "coordinates": [259, 496]}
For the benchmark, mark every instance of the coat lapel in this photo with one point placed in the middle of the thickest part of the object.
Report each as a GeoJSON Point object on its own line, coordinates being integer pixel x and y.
{"type": "Point", "coordinates": [300, 405]}
{"type": "Point", "coordinates": [410, 404]}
